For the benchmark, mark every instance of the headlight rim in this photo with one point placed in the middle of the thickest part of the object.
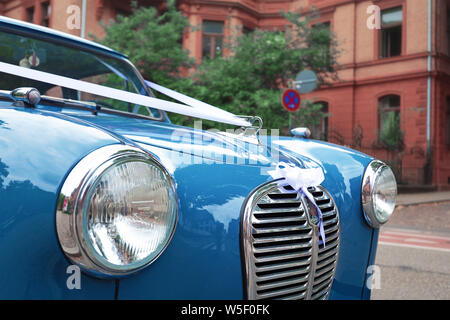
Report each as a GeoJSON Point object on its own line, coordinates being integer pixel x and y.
{"type": "Point", "coordinates": [367, 192]}
{"type": "Point", "coordinates": [70, 211]}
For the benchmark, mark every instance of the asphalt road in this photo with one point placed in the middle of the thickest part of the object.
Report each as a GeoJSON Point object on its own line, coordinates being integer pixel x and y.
{"type": "Point", "coordinates": [413, 254]}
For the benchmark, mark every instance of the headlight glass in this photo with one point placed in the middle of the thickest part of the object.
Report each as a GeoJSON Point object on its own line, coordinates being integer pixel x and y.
{"type": "Point", "coordinates": [130, 215]}
{"type": "Point", "coordinates": [379, 193]}
{"type": "Point", "coordinates": [122, 214]}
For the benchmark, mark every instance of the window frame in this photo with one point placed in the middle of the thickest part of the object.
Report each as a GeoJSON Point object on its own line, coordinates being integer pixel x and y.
{"type": "Point", "coordinates": [386, 5]}
{"type": "Point", "coordinates": [383, 109]}
{"type": "Point", "coordinates": [325, 24]}
{"type": "Point", "coordinates": [212, 36]}
{"type": "Point", "coordinates": [391, 26]}
{"type": "Point", "coordinates": [324, 125]}
{"type": "Point", "coordinates": [448, 30]}
{"type": "Point", "coordinates": [447, 121]}
{"type": "Point", "coordinates": [46, 14]}
{"type": "Point", "coordinates": [30, 11]}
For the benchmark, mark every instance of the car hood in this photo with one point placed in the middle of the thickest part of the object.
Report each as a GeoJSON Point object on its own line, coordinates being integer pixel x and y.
{"type": "Point", "coordinates": [193, 142]}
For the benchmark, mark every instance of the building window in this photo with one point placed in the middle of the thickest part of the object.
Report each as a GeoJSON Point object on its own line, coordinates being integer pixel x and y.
{"type": "Point", "coordinates": [212, 39]}
{"type": "Point", "coordinates": [447, 122]}
{"type": "Point", "coordinates": [448, 31]}
{"type": "Point", "coordinates": [30, 14]}
{"type": "Point", "coordinates": [46, 11]}
{"type": "Point", "coordinates": [319, 131]}
{"type": "Point", "coordinates": [247, 30]}
{"type": "Point", "coordinates": [324, 47]}
{"type": "Point", "coordinates": [391, 33]}
{"type": "Point", "coordinates": [390, 135]}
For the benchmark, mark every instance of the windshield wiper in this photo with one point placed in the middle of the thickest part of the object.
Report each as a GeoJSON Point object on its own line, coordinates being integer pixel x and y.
{"type": "Point", "coordinates": [92, 106]}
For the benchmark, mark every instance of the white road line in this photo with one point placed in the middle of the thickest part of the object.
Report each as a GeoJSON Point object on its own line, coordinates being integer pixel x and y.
{"type": "Point", "coordinates": [383, 235]}
{"type": "Point", "coordinates": [419, 240]}
{"type": "Point", "coordinates": [391, 232]}
{"type": "Point", "coordinates": [412, 246]}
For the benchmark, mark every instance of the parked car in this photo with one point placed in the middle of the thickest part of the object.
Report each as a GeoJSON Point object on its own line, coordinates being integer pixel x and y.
{"type": "Point", "coordinates": [139, 208]}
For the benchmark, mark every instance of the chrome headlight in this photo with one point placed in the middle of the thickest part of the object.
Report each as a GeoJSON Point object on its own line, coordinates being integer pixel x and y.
{"type": "Point", "coordinates": [379, 193]}
{"type": "Point", "coordinates": [117, 211]}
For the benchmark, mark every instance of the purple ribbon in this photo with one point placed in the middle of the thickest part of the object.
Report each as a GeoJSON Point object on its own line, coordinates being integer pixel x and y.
{"type": "Point", "coordinates": [304, 192]}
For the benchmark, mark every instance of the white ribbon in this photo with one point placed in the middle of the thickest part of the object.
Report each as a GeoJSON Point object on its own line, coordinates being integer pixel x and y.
{"type": "Point", "coordinates": [197, 104]}
{"type": "Point", "coordinates": [300, 179]}
{"type": "Point", "coordinates": [202, 113]}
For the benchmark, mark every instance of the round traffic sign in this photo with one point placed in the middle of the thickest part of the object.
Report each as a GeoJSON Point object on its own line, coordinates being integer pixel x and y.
{"type": "Point", "coordinates": [291, 100]}
{"type": "Point", "coordinates": [305, 81]}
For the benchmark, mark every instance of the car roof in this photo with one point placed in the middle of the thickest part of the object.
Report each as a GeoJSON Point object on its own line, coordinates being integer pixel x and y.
{"type": "Point", "coordinates": [37, 29]}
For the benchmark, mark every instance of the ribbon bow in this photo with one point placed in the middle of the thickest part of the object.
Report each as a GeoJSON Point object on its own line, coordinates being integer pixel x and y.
{"type": "Point", "coordinates": [300, 179]}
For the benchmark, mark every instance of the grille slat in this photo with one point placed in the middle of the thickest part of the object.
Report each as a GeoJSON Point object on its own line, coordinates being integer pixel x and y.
{"type": "Point", "coordinates": [330, 241]}
{"type": "Point", "coordinates": [287, 218]}
{"type": "Point", "coordinates": [330, 222]}
{"type": "Point", "coordinates": [283, 238]}
{"type": "Point", "coordinates": [273, 294]}
{"type": "Point", "coordinates": [280, 264]}
{"type": "Point", "coordinates": [277, 248]}
{"type": "Point", "coordinates": [282, 274]}
{"type": "Point", "coordinates": [283, 198]}
{"type": "Point", "coordinates": [322, 283]}
{"type": "Point", "coordinates": [319, 296]}
{"type": "Point", "coordinates": [261, 230]}
{"type": "Point", "coordinates": [283, 283]}
{"type": "Point", "coordinates": [327, 214]}
{"type": "Point", "coordinates": [283, 258]}
{"type": "Point", "coordinates": [327, 253]}
{"type": "Point", "coordinates": [295, 297]}
{"type": "Point", "coordinates": [323, 271]}
{"type": "Point", "coordinates": [265, 210]}
{"type": "Point", "coordinates": [322, 262]}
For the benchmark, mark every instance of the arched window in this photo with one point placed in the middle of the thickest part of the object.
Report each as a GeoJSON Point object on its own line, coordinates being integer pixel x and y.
{"type": "Point", "coordinates": [389, 133]}
{"type": "Point", "coordinates": [320, 131]}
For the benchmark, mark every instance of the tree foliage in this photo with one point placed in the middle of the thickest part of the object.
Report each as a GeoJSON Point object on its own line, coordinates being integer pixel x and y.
{"type": "Point", "coordinates": [152, 41]}
{"type": "Point", "coordinates": [247, 81]}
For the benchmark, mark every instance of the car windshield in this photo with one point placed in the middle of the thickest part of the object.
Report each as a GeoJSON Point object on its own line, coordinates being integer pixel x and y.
{"type": "Point", "coordinates": [73, 63]}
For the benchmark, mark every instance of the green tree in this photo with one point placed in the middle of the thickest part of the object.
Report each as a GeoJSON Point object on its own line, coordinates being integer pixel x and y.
{"type": "Point", "coordinates": [390, 135]}
{"type": "Point", "coordinates": [248, 81]}
{"type": "Point", "coordinates": [152, 41]}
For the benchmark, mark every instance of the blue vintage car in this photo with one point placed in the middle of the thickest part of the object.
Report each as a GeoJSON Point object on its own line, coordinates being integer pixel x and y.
{"type": "Point", "coordinates": [104, 198]}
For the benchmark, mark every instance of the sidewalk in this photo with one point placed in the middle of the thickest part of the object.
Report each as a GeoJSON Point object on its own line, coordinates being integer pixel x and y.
{"type": "Point", "coordinates": [407, 199]}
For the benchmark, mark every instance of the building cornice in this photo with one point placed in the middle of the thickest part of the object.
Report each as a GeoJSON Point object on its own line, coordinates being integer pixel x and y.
{"type": "Point", "coordinates": [380, 79]}
{"type": "Point", "coordinates": [255, 11]}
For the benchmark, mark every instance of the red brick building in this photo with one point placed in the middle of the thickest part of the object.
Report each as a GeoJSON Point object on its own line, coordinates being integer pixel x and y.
{"type": "Point", "coordinates": [394, 87]}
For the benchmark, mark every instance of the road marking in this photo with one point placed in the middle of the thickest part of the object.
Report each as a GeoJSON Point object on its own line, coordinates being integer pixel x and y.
{"type": "Point", "coordinates": [414, 233]}
{"type": "Point", "coordinates": [414, 239]}
{"type": "Point", "coordinates": [412, 246]}
{"type": "Point", "coordinates": [419, 240]}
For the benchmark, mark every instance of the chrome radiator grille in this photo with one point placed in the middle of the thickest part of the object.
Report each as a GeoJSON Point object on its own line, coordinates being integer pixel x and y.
{"type": "Point", "coordinates": [280, 244]}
